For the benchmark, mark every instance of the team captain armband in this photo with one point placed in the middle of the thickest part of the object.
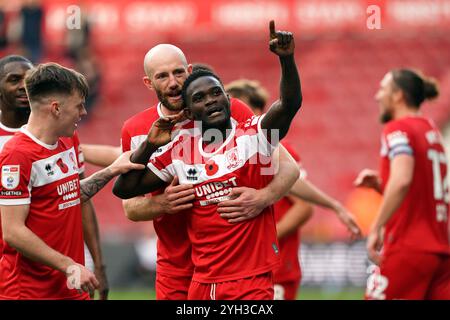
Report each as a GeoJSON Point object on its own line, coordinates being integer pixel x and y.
{"type": "Point", "coordinates": [398, 143]}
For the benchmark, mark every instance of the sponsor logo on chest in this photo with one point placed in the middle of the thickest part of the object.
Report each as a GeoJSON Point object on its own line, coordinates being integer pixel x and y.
{"type": "Point", "coordinates": [215, 192]}
{"type": "Point", "coordinates": [69, 192]}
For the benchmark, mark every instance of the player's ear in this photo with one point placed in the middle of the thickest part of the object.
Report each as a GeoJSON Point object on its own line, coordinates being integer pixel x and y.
{"type": "Point", "coordinates": [55, 108]}
{"type": "Point", "coordinates": [398, 95]}
{"type": "Point", "coordinates": [189, 69]}
{"type": "Point", "coordinates": [188, 113]}
{"type": "Point", "coordinates": [147, 82]}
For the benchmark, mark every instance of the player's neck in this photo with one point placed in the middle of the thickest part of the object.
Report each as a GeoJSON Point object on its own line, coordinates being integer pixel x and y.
{"type": "Point", "coordinates": [406, 111]}
{"type": "Point", "coordinates": [167, 112]}
{"type": "Point", "coordinates": [42, 130]}
{"type": "Point", "coordinates": [13, 118]}
{"type": "Point", "coordinates": [225, 131]}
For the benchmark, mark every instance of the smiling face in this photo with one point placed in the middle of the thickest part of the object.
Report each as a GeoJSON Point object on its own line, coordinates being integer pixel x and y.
{"type": "Point", "coordinates": [69, 110]}
{"type": "Point", "coordinates": [208, 102]}
{"type": "Point", "coordinates": [12, 86]}
{"type": "Point", "coordinates": [167, 70]}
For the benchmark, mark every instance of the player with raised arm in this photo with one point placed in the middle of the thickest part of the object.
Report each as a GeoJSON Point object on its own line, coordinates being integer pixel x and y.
{"type": "Point", "coordinates": [40, 193]}
{"type": "Point", "coordinates": [412, 223]}
{"type": "Point", "coordinates": [232, 261]}
{"type": "Point", "coordinates": [166, 69]}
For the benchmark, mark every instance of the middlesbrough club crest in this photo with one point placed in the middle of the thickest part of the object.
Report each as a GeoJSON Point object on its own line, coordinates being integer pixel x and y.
{"type": "Point", "coordinates": [233, 160]}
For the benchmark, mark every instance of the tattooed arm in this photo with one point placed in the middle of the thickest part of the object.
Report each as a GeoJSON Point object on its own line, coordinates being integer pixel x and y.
{"type": "Point", "coordinates": [90, 186]}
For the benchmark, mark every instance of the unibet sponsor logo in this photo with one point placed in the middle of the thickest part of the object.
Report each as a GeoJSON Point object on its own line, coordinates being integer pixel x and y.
{"type": "Point", "coordinates": [69, 192]}
{"type": "Point", "coordinates": [216, 191]}
{"type": "Point", "coordinates": [69, 186]}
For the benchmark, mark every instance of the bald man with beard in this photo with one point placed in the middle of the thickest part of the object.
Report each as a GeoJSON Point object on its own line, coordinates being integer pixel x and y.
{"type": "Point", "coordinates": [166, 68]}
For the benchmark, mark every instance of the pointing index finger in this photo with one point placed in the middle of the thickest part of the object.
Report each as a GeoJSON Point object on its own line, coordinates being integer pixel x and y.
{"type": "Point", "coordinates": [272, 29]}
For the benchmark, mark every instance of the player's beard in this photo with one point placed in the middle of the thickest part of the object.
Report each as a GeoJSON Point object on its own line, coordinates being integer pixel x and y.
{"type": "Point", "coordinates": [385, 117]}
{"type": "Point", "coordinates": [165, 102]}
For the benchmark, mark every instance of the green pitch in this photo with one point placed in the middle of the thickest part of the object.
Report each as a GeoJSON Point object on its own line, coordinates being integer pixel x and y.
{"type": "Point", "coordinates": [305, 294]}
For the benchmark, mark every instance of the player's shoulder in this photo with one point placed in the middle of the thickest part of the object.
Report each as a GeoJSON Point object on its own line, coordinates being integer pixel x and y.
{"type": "Point", "coordinates": [143, 118]}
{"type": "Point", "coordinates": [19, 146]}
{"type": "Point", "coordinates": [247, 127]}
{"type": "Point", "coordinates": [403, 125]}
{"type": "Point", "coordinates": [239, 110]}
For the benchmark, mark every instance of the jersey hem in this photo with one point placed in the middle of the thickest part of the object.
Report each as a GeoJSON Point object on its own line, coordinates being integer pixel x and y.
{"type": "Point", "coordinates": [232, 277]}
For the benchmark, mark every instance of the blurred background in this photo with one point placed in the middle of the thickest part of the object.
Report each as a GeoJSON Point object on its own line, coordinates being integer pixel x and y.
{"type": "Point", "coordinates": [341, 62]}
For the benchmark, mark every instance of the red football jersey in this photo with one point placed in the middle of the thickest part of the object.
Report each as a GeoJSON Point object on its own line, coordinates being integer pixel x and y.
{"type": "Point", "coordinates": [289, 268]}
{"type": "Point", "coordinates": [421, 221]}
{"type": "Point", "coordinates": [6, 133]}
{"type": "Point", "coordinates": [222, 251]}
{"type": "Point", "coordinates": [45, 177]}
{"type": "Point", "coordinates": [173, 246]}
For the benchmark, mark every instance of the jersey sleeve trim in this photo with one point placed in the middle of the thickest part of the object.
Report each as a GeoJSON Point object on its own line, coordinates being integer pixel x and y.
{"type": "Point", "coordinates": [15, 202]}
{"type": "Point", "coordinates": [267, 147]}
{"type": "Point", "coordinates": [164, 175]}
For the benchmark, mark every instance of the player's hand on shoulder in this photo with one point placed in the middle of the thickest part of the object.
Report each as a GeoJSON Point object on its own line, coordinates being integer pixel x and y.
{"type": "Point", "coordinates": [281, 42]}
{"type": "Point", "coordinates": [160, 133]}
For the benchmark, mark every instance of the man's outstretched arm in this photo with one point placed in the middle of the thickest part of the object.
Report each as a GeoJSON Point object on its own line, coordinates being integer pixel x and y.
{"type": "Point", "coordinates": [282, 112]}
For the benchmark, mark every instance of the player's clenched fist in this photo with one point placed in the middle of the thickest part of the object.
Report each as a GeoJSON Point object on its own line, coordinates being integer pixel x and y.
{"type": "Point", "coordinates": [281, 42]}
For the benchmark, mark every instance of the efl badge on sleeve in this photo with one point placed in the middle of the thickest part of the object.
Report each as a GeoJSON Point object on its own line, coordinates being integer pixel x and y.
{"type": "Point", "coordinates": [10, 177]}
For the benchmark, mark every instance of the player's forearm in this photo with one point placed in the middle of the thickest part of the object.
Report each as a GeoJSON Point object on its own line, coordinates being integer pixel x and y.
{"type": "Point", "coordinates": [90, 186]}
{"type": "Point", "coordinates": [310, 193]}
{"type": "Point", "coordinates": [100, 155]}
{"type": "Point", "coordinates": [290, 87]}
{"type": "Point", "coordinates": [143, 209]}
{"type": "Point", "coordinates": [91, 233]}
{"type": "Point", "coordinates": [394, 194]}
{"type": "Point", "coordinates": [130, 184]}
{"type": "Point", "coordinates": [31, 246]}
{"type": "Point", "coordinates": [287, 174]}
{"type": "Point", "coordinates": [294, 218]}
{"type": "Point", "coordinates": [143, 153]}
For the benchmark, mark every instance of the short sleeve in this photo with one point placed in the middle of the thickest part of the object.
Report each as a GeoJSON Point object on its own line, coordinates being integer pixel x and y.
{"type": "Point", "coordinates": [125, 139]}
{"type": "Point", "coordinates": [240, 111]}
{"type": "Point", "coordinates": [397, 139]}
{"type": "Point", "coordinates": [265, 148]}
{"type": "Point", "coordinates": [297, 158]}
{"type": "Point", "coordinates": [79, 153]}
{"type": "Point", "coordinates": [15, 187]}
